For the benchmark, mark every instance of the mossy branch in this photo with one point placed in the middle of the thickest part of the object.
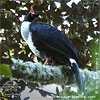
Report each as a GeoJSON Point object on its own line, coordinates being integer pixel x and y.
{"type": "Point", "coordinates": [50, 74]}
{"type": "Point", "coordinates": [38, 72]}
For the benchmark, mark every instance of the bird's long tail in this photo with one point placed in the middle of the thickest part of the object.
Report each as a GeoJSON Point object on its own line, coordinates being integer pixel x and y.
{"type": "Point", "coordinates": [78, 76]}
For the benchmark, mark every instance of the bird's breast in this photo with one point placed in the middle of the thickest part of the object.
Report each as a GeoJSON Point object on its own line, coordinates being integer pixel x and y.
{"type": "Point", "coordinates": [25, 29]}
{"type": "Point", "coordinates": [32, 46]}
{"type": "Point", "coordinates": [27, 36]}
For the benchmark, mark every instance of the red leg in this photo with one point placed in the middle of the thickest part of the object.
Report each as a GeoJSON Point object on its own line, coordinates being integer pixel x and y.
{"type": "Point", "coordinates": [52, 64]}
{"type": "Point", "coordinates": [47, 59]}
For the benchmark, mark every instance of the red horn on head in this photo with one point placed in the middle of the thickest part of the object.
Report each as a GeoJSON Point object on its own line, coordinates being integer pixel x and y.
{"type": "Point", "coordinates": [32, 11]}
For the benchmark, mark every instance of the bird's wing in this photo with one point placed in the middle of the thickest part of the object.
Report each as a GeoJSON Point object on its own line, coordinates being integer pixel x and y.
{"type": "Point", "coordinates": [53, 39]}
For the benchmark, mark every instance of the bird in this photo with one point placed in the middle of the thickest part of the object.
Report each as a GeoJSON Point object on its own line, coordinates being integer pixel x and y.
{"type": "Point", "coordinates": [47, 42]}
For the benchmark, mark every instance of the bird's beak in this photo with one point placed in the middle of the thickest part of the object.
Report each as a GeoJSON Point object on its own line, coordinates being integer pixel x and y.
{"type": "Point", "coordinates": [32, 11]}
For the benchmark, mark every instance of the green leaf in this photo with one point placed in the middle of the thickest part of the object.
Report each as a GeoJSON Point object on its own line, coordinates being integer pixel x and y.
{"type": "Point", "coordinates": [23, 51]}
{"type": "Point", "coordinates": [5, 70]}
{"type": "Point", "coordinates": [41, 1]}
{"type": "Point", "coordinates": [2, 98]}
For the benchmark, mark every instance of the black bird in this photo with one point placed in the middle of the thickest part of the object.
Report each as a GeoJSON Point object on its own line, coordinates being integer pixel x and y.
{"type": "Point", "coordinates": [47, 41]}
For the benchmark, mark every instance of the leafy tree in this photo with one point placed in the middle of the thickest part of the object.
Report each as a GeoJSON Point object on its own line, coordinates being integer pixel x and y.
{"type": "Point", "coordinates": [80, 22]}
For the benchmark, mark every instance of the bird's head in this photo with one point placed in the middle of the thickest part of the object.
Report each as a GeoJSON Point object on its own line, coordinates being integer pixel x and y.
{"type": "Point", "coordinates": [31, 16]}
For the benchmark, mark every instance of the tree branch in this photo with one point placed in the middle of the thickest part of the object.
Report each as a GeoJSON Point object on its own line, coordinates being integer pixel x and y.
{"type": "Point", "coordinates": [50, 74]}
{"type": "Point", "coordinates": [38, 72]}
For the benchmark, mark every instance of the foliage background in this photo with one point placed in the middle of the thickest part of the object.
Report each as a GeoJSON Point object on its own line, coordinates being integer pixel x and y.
{"type": "Point", "coordinates": [80, 22]}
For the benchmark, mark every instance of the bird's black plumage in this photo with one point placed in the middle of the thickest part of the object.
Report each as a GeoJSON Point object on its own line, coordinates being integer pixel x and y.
{"type": "Point", "coordinates": [52, 42]}
{"type": "Point", "coordinates": [48, 41]}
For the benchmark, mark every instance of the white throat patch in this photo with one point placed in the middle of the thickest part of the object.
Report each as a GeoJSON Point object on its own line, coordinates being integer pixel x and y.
{"type": "Point", "coordinates": [27, 36]}
{"type": "Point", "coordinates": [25, 29]}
